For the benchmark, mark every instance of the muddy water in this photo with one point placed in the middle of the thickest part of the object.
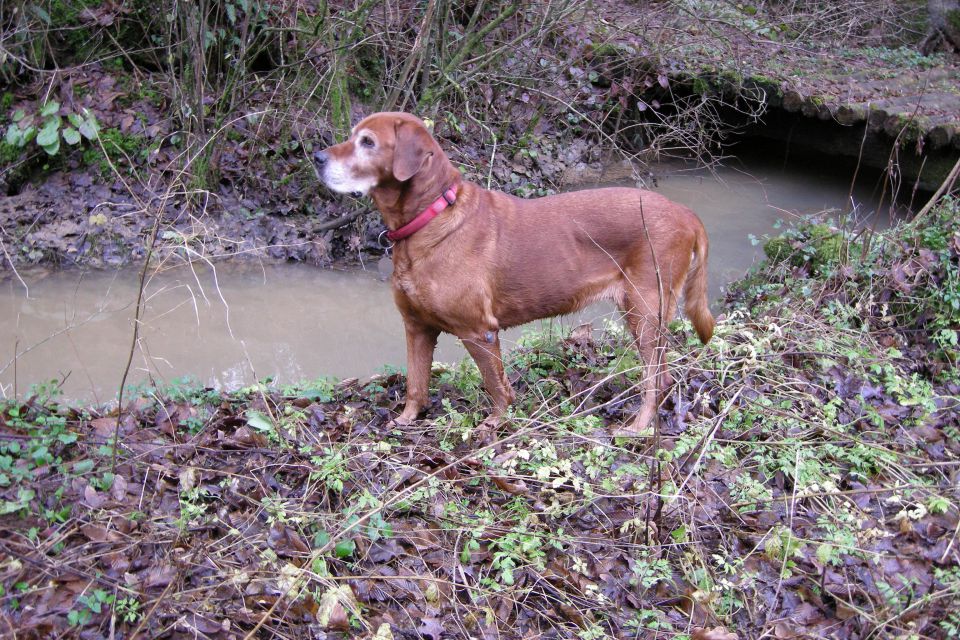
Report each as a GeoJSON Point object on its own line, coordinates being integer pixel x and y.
{"type": "Point", "coordinates": [298, 323]}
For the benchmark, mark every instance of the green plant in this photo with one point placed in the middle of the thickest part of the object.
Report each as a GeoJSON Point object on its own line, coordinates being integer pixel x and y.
{"type": "Point", "coordinates": [128, 609]}
{"type": "Point", "coordinates": [592, 632]}
{"type": "Point", "coordinates": [47, 128]}
{"type": "Point", "coordinates": [264, 424]}
{"type": "Point", "coordinates": [817, 245]}
{"type": "Point", "coordinates": [455, 425]}
{"type": "Point", "coordinates": [464, 376]}
{"type": "Point", "coordinates": [46, 439]}
{"type": "Point", "coordinates": [648, 571]}
{"type": "Point", "coordinates": [517, 548]}
{"type": "Point", "coordinates": [539, 354]}
{"type": "Point", "coordinates": [90, 604]}
{"type": "Point", "coordinates": [783, 547]}
{"type": "Point", "coordinates": [277, 511]}
{"type": "Point", "coordinates": [648, 619]}
{"type": "Point", "coordinates": [319, 390]}
{"type": "Point", "coordinates": [192, 507]}
{"type": "Point", "coordinates": [330, 469]}
{"type": "Point", "coordinates": [951, 625]}
{"type": "Point", "coordinates": [120, 151]}
{"type": "Point", "coordinates": [897, 57]}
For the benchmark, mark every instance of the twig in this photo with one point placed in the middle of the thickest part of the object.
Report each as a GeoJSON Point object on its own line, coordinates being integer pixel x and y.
{"type": "Point", "coordinates": [138, 312]}
{"type": "Point", "coordinates": [945, 187]}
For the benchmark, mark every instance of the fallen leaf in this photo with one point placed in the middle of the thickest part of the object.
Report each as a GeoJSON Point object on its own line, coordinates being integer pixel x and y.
{"type": "Point", "coordinates": [716, 633]}
{"type": "Point", "coordinates": [332, 612]}
{"type": "Point", "coordinates": [92, 498]}
{"type": "Point", "coordinates": [119, 488]}
{"type": "Point", "coordinates": [431, 628]}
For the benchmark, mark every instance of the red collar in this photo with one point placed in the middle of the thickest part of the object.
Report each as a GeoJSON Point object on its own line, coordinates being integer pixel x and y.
{"type": "Point", "coordinates": [448, 198]}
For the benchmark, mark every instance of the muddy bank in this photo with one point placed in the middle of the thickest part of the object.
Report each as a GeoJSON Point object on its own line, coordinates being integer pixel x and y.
{"type": "Point", "coordinates": [616, 86]}
{"type": "Point", "coordinates": [96, 206]}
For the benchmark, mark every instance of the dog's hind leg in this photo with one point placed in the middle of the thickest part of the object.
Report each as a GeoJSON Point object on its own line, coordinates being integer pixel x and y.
{"type": "Point", "coordinates": [647, 317]}
{"type": "Point", "coordinates": [421, 341]}
{"type": "Point", "coordinates": [486, 353]}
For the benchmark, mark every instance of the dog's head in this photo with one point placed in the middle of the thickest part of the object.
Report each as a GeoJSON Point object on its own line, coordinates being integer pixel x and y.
{"type": "Point", "coordinates": [383, 149]}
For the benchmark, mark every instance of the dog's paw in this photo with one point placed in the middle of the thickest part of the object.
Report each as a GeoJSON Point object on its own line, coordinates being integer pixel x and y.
{"type": "Point", "coordinates": [639, 427]}
{"type": "Point", "coordinates": [628, 431]}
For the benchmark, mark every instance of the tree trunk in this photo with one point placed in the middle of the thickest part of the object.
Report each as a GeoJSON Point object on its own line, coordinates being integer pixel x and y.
{"type": "Point", "coordinates": [944, 25]}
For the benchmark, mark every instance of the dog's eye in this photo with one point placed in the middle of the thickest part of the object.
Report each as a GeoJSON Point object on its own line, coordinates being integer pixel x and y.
{"type": "Point", "coordinates": [366, 141]}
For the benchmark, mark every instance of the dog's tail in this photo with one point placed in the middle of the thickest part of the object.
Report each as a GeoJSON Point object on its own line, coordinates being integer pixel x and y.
{"type": "Point", "coordinates": [695, 289]}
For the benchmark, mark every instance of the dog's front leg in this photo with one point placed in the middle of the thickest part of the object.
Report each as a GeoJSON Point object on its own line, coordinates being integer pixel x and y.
{"type": "Point", "coordinates": [485, 351]}
{"type": "Point", "coordinates": [421, 341]}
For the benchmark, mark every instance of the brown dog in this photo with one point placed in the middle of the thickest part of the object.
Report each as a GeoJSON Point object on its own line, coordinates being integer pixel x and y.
{"type": "Point", "coordinates": [470, 261]}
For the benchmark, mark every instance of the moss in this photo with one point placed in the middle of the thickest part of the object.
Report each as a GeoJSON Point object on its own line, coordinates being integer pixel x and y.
{"type": "Point", "coordinates": [817, 245]}
{"type": "Point", "coordinates": [123, 151]}
{"type": "Point", "coordinates": [340, 105]}
{"type": "Point", "coordinates": [9, 153]}
{"type": "Point", "coordinates": [953, 19]}
{"type": "Point", "coordinates": [766, 81]}
{"type": "Point", "coordinates": [828, 250]}
{"type": "Point", "coordinates": [778, 249]}
{"type": "Point", "coordinates": [700, 86]}
{"type": "Point", "coordinates": [6, 102]}
{"type": "Point", "coordinates": [366, 71]}
{"type": "Point", "coordinates": [77, 39]}
{"type": "Point", "coordinates": [732, 76]}
{"type": "Point", "coordinates": [138, 91]}
{"type": "Point", "coordinates": [607, 49]}
{"type": "Point", "coordinates": [911, 126]}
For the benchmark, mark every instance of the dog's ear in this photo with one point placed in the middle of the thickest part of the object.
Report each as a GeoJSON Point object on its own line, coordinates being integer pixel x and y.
{"type": "Point", "coordinates": [413, 148]}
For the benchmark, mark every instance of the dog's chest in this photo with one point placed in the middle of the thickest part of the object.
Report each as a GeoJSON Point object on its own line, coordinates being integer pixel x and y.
{"type": "Point", "coordinates": [441, 303]}
{"type": "Point", "coordinates": [419, 294]}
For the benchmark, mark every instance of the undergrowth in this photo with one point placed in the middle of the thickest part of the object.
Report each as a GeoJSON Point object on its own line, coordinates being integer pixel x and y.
{"type": "Point", "coordinates": [800, 483]}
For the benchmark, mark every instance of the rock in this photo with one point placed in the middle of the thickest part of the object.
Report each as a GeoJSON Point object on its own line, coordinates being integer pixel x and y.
{"type": "Point", "coordinates": [792, 101]}
{"type": "Point", "coordinates": [939, 136]}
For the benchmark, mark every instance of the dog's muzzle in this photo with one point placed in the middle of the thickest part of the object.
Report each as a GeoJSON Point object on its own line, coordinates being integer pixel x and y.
{"type": "Point", "coordinates": [322, 159]}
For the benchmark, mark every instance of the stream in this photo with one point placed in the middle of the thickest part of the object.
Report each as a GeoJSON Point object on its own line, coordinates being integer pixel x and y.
{"type": "Point", "coordinates": [294, 323]}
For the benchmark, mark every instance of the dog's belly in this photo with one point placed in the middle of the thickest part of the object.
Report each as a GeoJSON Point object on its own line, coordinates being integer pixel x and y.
{"type": "Point", "coordinates": [527, 299]}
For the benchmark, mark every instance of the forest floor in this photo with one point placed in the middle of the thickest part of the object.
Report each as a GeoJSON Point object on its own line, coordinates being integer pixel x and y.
{"type": "Point", "coordinates": [801, 481]}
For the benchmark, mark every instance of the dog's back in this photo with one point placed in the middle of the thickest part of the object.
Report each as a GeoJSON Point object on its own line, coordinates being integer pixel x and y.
{"type": "Point", "coordinates": [557, 254]}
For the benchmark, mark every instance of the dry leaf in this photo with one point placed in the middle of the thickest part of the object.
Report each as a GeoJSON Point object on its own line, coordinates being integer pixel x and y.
{"type": "Point", "coordinates": [716, 633]}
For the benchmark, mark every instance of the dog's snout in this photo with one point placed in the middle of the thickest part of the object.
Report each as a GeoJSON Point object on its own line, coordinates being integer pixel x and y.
{"type": "Point", "coordinates": [321, 157]}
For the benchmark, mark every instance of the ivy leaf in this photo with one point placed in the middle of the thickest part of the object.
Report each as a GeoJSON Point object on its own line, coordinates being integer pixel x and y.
{"type": "Point", "coordinates": [49, 137]}
{"type": "Point", "coordinates": [50, 109]}
{"type": "Point", "coordinates": [83, 466]}
{"type": "Point", "coordinates": [344, 548]}
{"type": "Point", "coordinates": [88, 128]}
{"type": "Point", "coordinates": [71, 135]}
{"type": "Point", "coordinates": [14, 136]}
{"type": "Point", "coordinates": [259, 421]}
{"type": "Point", "coordinates": [40, 13]}
{"type": "Point", "coordinates": [75, 119]}
{"type": "Point", "coordinates": [18, 115]}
